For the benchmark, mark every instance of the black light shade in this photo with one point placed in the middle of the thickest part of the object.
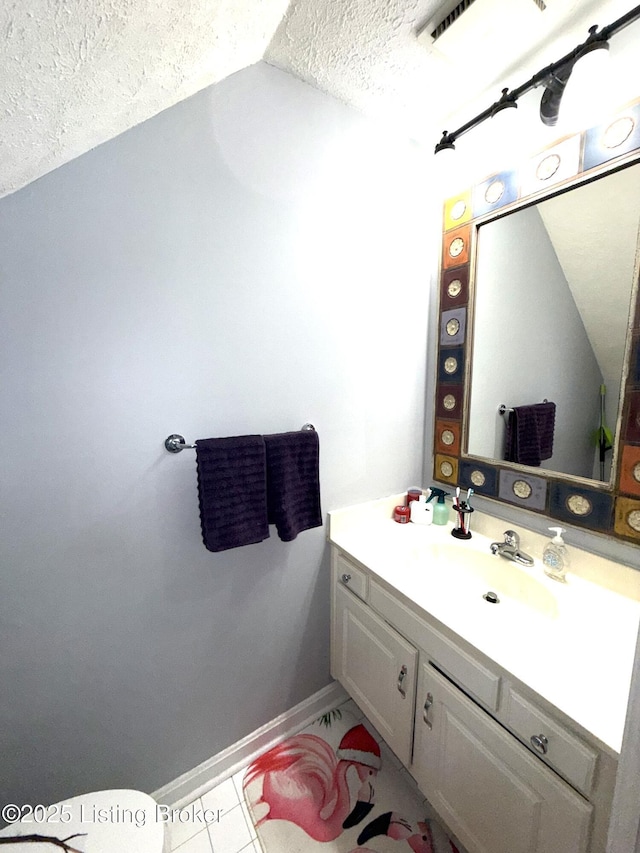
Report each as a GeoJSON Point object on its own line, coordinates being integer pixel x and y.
{"type": "Point", "coordinates": [552, 95]}
{"type": "Point", "coordinates": [586, 95]}
{"type": "Point", "coordinates": [557, 82]}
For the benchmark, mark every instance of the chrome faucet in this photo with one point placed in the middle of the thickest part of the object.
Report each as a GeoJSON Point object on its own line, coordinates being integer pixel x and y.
{"type": "Point", "coordinates": [510, 549]}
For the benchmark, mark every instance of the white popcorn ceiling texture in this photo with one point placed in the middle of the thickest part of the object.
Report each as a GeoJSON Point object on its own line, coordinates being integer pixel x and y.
{"type": "Point", "coordinates": [76, 73]}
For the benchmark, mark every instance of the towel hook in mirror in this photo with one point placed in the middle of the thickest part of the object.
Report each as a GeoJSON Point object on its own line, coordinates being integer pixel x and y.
{"type": "Point", "coordinates": [502, 409]}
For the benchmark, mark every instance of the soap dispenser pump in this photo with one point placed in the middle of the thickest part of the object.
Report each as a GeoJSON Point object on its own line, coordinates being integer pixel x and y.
{"type": "Point", "coordinates": [440, 510]}
{"type": "Point", "coordinates": [555, 556]}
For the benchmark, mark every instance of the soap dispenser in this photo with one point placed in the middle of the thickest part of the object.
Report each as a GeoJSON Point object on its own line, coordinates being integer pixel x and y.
{"type": "Point", "coordinates": [555, 556]}
{"type": "Point", "coordinates": [440, 510]}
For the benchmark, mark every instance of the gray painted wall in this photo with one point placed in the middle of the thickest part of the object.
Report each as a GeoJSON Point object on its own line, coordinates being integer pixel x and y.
{"type": "Point", "coordinates": [530, 344]}
{"type": "Point", "coordinates": [249, 260]}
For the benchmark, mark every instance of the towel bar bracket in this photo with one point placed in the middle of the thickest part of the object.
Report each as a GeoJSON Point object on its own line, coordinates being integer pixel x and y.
{"type": "Point", "coordinates": [175, 443]}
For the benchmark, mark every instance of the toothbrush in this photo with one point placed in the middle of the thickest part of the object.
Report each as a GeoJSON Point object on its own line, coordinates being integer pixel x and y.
{"type": "Point", "coordinates": [458, 509]}
{"type": "Point", "coordinates": [467, 505]}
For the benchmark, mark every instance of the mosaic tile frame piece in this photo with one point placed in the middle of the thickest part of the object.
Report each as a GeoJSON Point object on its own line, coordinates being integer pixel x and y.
{"type": "Point", "coordinates": [600, 147]}
{"type": "Point", "coordinates": [494, 193]}
{"type": "Point", "coordinates": [448, 437]}
{"type": "Point", "coordinates": [455, 249]}
{"type": "Point", "coordinates": [522, 489]}
{"type": "Point", "coordinates": [452, 327]}
{"type": "Point", "coordinates": [629, 483]}
{"type": "Point", "coordinates": [451, 365]}
{"type": "Point", "coordinates": [454, 292]}
{"type": "Point", "coordinates": [627, 518]}
{"type": "Point", "coordinates": [449, 402]}
{"type": "Point", "coordinates": [479, 477]}
{"type": "Point", "coordinates": [612, 510]}
{"type": "Point", "coordinates": [581, 506]}
{"type": "Point", "coordinates": [445, 469]}
{"type": "Point", "coordinates": [551, 168]}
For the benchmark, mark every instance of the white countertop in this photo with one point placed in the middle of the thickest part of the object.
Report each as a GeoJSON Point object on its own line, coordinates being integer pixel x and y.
{"type": "Point", "coordinates": [572, 643]}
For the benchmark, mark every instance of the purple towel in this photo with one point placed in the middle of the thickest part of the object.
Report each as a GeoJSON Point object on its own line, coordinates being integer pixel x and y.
{"type": "Point", "coordinates": [293, 482]}
{"type": "Point", "coordinates": [232, 491]}
{"type": "Point", "coordinates": [530, 433]}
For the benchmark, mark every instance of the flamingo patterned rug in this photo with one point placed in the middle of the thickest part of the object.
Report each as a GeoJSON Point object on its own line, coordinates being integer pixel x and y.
{"type": "Point", "coordinates": [334, 789]}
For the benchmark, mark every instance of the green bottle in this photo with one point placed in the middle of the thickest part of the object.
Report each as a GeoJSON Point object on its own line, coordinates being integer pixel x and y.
{"type": "Point", "coordinates": [440, 510]}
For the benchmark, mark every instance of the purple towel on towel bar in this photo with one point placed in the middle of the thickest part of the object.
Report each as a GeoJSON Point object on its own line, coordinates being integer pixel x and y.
{"type": "Point", "coordinates": [530, 433]}
{"type": "Point", "coordinates": [293, 482]}
{"type": "Point", "coordinates": [232, 491]}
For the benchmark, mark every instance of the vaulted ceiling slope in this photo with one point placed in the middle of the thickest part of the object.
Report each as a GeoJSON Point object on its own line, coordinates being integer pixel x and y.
{"type": "Point", "coordinates": [76, 73]}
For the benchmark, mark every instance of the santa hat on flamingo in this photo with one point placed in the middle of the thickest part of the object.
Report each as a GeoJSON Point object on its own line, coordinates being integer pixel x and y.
{"type": "Point", "coordinates": [360, 746]}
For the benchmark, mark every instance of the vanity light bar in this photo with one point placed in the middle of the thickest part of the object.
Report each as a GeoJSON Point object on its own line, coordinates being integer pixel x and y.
{"type": "Point", "coordinates": [554, 77]}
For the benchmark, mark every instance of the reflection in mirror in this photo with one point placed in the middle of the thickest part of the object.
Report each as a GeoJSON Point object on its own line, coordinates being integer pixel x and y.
{"type": "Point", "coordinates": [552, 293]}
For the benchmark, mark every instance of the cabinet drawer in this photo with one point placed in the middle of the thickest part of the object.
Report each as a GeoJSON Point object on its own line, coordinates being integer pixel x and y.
{"type": "Point", "coordinates": [349, 575]}
{"type": "Point", "coordinates": [565, 752]}
{"type": "Point", "coordinates": [472, 676]}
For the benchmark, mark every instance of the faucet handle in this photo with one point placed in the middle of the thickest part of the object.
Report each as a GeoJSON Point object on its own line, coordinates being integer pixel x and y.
{"type": "Point", "coordinates": [512, 538]}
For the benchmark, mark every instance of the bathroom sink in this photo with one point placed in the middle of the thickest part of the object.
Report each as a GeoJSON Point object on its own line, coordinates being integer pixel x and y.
{"type": "Point", "coordinates": [474, 573]}
{"type": "Point", "coordinates": [460, 572]}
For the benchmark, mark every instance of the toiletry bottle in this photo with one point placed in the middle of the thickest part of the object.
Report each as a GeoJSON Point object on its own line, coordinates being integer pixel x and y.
{"type": "Point", "coordinates": [440, 510]}
{"type": "Point", "coordinates": [421, 511]}
{"type": "Point", "coordinates": [401, 514]}
{"type": "Point", "coordinates": [555, 556]}
{"type": "Point", "coordinates": [412, 495]}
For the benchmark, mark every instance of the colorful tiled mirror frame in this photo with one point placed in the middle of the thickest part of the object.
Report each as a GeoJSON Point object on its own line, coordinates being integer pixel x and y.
{"type": "Point", "coordinates": [612, 509]}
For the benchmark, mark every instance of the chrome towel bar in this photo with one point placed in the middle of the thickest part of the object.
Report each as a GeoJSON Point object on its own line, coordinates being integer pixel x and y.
{"type": "Point", "coordinates": [176, 443]}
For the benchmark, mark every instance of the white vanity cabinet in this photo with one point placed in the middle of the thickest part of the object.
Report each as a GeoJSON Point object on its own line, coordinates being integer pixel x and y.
{"type": "Point", "coordinates": [378, 668]}
{"type": "Point", "coordinates": [504, 772]}
{"type": "Point", "coordinates": [495, 795]}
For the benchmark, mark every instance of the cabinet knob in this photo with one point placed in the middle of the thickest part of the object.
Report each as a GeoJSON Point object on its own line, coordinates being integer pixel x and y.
{"type": "Point", "coordinates": [401, 678]}
{"type": "Point", "coordinates": [539, 743]}
{"type": "Point", "coordinates": [346, 578]}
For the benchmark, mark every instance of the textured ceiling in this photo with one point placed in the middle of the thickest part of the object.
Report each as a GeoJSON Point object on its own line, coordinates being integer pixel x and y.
{"type": "Point", "coordinates": [365, 52]}
{"type": "Point", "coordinates": [78, 72]}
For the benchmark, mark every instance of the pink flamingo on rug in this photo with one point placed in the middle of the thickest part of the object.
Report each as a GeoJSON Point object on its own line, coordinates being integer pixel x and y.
{"type": "Point", "coordinates": [305, 782]}
{"type": "Point", "coordinates": [430, 838]}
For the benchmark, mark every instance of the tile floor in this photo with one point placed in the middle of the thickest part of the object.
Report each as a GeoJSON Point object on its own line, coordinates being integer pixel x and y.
{"type": "Point", "coordinates": [230, 829]}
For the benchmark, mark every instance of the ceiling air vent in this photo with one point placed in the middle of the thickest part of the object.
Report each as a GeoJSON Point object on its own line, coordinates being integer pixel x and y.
{"type": "Point", "coordinates": [458, 23]}
{"type": "Point", "coordinates": [451, 17]}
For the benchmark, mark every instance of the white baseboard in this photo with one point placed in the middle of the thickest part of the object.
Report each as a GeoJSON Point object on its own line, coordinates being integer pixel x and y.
{"type": "Point", "coordinates": [216, 769]}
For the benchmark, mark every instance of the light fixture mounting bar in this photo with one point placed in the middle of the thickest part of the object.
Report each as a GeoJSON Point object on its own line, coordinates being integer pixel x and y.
{"type": "Point", "coordinates": [556, 72]}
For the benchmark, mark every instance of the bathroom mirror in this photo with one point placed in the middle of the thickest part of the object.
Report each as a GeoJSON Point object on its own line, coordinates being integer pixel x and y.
{"type": "Point", "coordinates": [550, 320]}
{"type": "Point", "coordinates": [538, 293]}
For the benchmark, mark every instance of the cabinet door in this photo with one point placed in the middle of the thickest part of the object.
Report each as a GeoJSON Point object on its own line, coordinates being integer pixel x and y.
{"type": "Point", "coordinates": [494, 795]}
{"type": "Point", "coordinates": [377, 667]}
